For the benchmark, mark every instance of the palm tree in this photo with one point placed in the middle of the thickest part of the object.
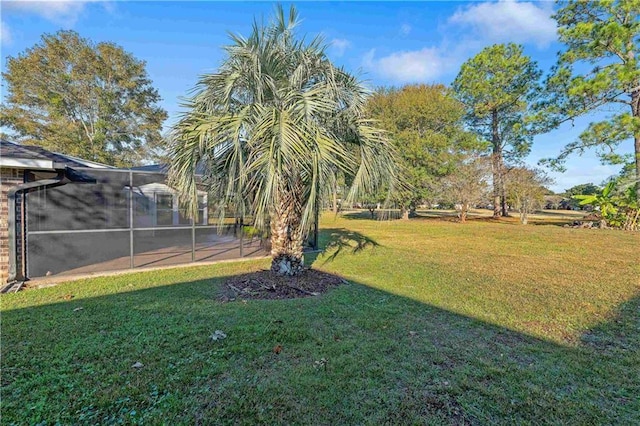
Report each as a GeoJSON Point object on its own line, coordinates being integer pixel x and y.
{"type": "Point", "coordinates": [271, 128]}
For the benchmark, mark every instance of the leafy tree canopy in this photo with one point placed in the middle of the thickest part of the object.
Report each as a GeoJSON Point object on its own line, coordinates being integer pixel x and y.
{"type": "Point", "coordinates": [425, 123]}
{"type": "Point", "coordinates": [467, 185]}
{"type": "Point", "coordinates": [582, 189]}
{"type": "Point", "coordinates": [80, 98]}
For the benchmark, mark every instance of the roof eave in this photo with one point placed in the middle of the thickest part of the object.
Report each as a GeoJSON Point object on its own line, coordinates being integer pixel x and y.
{"type": "Point", "coordinates": [26, 163]}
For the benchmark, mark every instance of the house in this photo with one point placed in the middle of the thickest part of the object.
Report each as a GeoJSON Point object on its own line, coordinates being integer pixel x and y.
{"type": "Point", "coordinates": [157, 204]}
{"type": "Point", "coordinates": [23, 168]}
{"type": "Point", "coordinates": [63, 215]}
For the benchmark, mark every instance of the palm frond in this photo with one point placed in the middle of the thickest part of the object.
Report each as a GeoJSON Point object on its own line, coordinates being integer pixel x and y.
{"type": "Point", "coordinates": [277, 122]}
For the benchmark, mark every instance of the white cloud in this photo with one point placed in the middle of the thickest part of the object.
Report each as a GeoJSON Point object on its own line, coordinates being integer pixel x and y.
{"type": "Point", "coordinates": [472, 27]}
{"type": "Point", "coordinates": [64, 12]}
{"type": "Point", "coordinates": [5, 34]}
{"type": "Point", "coordinates": [340, 45]}
{"type": "Point", "coordinates": [510, 21]}
{"type": "Point", "coordinates": [405, 29]}
{"type": "Point", "coordinates": [424, 65]}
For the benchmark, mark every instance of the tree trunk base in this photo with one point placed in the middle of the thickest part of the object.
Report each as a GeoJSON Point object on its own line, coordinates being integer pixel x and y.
{"type": "Point", "coordinates": [287, 265]}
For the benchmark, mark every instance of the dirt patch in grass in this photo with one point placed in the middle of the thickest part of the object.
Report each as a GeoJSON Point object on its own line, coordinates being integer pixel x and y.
{"type": "Point", "coordinates": [267, 285]}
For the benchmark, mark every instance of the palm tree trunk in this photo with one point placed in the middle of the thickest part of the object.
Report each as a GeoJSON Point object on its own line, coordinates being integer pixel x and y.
{"type": "Point", "coordinates": [287, 237]}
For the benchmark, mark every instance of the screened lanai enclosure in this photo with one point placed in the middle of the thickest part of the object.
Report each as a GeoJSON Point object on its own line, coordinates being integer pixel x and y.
{"type": "Point", "coordinates": [125, 219]}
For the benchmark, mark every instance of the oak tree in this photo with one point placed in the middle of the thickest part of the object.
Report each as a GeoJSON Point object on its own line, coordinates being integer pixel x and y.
{"type": "Point", "coordinates": [425, 123]}
{"type": "Point", "coordinates": [90, 100]}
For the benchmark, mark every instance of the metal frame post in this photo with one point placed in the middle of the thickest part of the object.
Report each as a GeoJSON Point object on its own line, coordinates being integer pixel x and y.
{"type": "Point", "coordinates": [315, 224]}
{"type": "Point", "coordinates": [25, 233]}
{"type": "Point", "coordinates": [131, 263]}
{"type": "Point", "coordinates": [241, 237]}
{"type": "Point", "coordinates": [193, 238]}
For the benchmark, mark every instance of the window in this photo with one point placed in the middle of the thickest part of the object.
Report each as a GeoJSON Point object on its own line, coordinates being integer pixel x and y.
{"type": "Point", "coordinates": [202, 210]}
{"type": "Point", "coordinates": [164, 209]}
{"type": "Point", "coordinates": [142, 205]}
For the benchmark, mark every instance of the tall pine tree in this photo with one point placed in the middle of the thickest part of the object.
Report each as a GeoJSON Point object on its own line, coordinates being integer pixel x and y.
{"type": "Point", "coordinates": [496, 87]}
{"type": "Point", "coordinates": [599, 67]}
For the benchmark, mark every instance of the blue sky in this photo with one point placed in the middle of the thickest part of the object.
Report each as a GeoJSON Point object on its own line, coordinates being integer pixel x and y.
{"type": "Point", "coordinates": [387, 43]}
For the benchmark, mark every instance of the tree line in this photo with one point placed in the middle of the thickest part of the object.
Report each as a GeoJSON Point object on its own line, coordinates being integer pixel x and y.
{"type": "Point", "coordinates": [280, 128]}
{"type": "Point", "coordinates": [499, 101]}
{"type": "Point", "coordinates": [96, 101]}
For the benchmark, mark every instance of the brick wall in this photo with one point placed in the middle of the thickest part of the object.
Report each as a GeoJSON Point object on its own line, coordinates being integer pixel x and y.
{"type": "Point", "coordinates": [8, 179]}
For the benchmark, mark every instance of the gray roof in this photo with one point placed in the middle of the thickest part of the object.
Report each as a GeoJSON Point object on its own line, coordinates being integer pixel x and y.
{"type": "Point", "coordinates": [12, 151]}
{"type": "Point", "coordinates": [160, 168]}
{"type": "Point", "coordinates": [164, 168]}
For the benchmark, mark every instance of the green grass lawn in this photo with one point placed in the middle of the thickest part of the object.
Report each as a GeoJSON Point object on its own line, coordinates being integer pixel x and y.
{"type": "Point", "coordinates": [442, 323]}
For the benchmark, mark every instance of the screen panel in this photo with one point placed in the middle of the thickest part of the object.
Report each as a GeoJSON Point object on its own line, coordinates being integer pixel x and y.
{"type": "Point", "coordinates": [86, 228]}
{"type": "Point", "coordinates": [161, 247]}
{"type": "Point", "coordinates": [77, 253]}
{"type": "Point", "coordinates": [81, 206]}
{"type": "Point", "coordinates": [217, 243]}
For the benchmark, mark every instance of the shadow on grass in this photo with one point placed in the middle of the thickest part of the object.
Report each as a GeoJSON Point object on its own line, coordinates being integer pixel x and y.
{"type": "Point", "coordinates": [620, 333]}
{"type": "Point", "coordinates": [339, 240]}
{"type": "Point", "coordinates": [387, 360]}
